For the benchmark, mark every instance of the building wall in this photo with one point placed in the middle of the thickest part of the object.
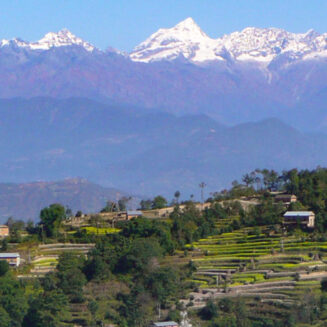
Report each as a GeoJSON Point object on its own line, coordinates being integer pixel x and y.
{"type": "Point", "coordinates": [12, 261]}
{"type": "Point", "coordinates": [4, 231]}
{"type": "Point", "coordinates": [309, 221]}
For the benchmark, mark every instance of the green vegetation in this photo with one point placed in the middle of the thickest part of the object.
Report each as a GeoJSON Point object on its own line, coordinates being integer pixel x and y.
{"type": "Point", "coordinates": [232, 264]}
{"type": "Point", "coordinates": [101, 230]}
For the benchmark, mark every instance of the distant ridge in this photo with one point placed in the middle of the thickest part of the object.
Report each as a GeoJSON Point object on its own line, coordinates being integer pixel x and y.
{"type": "Point", "coordinates": [134, 150]}
{"type": "Point", "coordinates": [25, 200]}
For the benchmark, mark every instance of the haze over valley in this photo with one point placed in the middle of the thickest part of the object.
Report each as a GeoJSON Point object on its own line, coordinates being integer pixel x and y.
{"type": "Point", "coordinates": [181, 108]}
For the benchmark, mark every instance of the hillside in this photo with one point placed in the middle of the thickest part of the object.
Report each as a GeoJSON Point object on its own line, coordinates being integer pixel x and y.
{"type": "Point", "coordinates": [26, 200]}
{"type": "Point", "coordinates": [139, 152]}
{"type": "Point", "coordinates": [223, 265]}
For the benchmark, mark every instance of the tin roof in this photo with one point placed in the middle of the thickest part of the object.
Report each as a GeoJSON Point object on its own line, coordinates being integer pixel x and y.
{"type": "Point", "coordinates": [298, 213]}
{"type": "Point", "coordinates": [9, 255]}
{"type": "Point", "coordinates": [134, 213]}
{"type": "Point", "coordinates": [165, 323]}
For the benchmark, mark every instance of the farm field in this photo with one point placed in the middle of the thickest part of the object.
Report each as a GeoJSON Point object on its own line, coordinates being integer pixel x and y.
{"type": "Point", "coordinates": [97, 230]}
{"type": "Point", "coordinates": [101, 230]}
{"type": "Point", "coordinates": [43, 258]}
{"type": "Point", "coordinates": [265, 267]}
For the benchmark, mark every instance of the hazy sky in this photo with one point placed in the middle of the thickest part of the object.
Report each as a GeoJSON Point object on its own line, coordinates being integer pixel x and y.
{"type": "Point", "coordinates": [125, 23]}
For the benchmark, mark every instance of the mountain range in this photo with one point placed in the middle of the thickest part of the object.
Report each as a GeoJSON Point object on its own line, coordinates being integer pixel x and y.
{"type": "Point", "coordinates": [260, 45]}
{"type": "Point", "coordinates": [180, 109]}
{"type": "Point", "coordinates": [244, 76]}
{"type": "Point", "coordinates": [141, 152]}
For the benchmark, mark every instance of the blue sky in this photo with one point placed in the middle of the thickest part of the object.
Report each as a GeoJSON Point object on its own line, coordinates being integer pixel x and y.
{"type": "Point", "coordinates": [125, 23]}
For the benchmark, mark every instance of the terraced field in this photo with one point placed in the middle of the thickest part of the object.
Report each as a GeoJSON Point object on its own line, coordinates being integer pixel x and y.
{"type": "Point", "coordinates": [42, 259]}
{"type": "Point", "coordinates": [97, 230]}
{"type": "Point", "coordinates": [273, 269]}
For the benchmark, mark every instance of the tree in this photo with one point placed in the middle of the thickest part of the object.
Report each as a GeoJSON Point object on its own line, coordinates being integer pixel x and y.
{"type": "Point", "coordinates": [79, 213]}
{"type": "Point", "coordinates": [96, 268]}
{"type": "Point", "coordinates": [163, 283]}
{"type": "Point", "coordinates": [30, 227]}
{"type": "Point", "coordinates": [177, 194]}
{"type": "Point", "coordinates": [248, 179]}
{"type": "Point", "coordinates": [110, 206]}
{"type": "Point", "coordinates": [51, 218]}
{"type": "Point", "coordinates": [210, 311]}
{"type": "Point", "coordinates": [145, 204]}
{"type": "Point", "coordinates": [93, 306]}
{"type": "Point", "coordinates": [4, 317]}
{"type": "Point", "coordinates": [4, 244]}
{"type": "Point", "coordinates": [159, 202]}
{"type": "Point", "coordinates": [12, 299]}
{"type": "Point", "coordinates": [69, 212]}
{"type": "Point", "coordinates": [71, 277]}
{"type": "Point", "coordinates": [122, 203]}
{"type": "Point", "coordinates": [139, 255]}
{"type": "Point", "coordinates": [4, 268]}
{"type": "Point", "coordinates": [323, 284]}
{"type": "Point", "coordinates": [47, 309]}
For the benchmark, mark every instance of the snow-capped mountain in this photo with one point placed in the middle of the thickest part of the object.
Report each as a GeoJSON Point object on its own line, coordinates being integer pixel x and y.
{"type": "Point", "coordinates": [187, 40]}
{"type": "Point", "coordinates": [63, 38]}
{"type": "Point", "coordinates": [259, 73]}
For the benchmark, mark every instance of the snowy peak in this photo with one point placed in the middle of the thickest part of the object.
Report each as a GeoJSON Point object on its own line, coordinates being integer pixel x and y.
{"type": "Point", "coordinates": [261, 45]}
{"type": "Point", "coordinates": [265, 44]}
{"type": "Point", "coordinates": [63, 38]}
{"type": "Point", "coordinates": [189, 26]}
{"type": "Point", "coordinates": [186, 39]}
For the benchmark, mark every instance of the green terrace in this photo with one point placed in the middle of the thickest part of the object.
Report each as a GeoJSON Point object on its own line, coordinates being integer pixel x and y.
{"type": "Point", "coordinates": [242, 258]}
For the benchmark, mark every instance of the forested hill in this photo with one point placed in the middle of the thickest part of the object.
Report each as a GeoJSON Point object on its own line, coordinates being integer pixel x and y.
{"type": "Point", "coordinates": [142, 152]}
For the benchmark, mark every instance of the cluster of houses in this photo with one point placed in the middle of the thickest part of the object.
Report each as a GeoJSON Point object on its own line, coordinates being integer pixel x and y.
{"type": "Point", "coordinates": [291, 219]}
{"type": "Point", "coordinates": [295, 218]}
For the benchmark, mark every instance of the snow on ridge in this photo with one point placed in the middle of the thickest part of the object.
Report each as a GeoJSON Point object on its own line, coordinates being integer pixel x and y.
{"type": "Point", "coordinates": [63, 38]}
{"type": "Point", "coordinates": [186, 38]}
{"type": "Point", "coordinates": [261, 45]}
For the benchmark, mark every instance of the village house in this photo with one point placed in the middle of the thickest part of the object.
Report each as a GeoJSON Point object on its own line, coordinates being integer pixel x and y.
{"type": "Point", "coordinates": [165, 324]}
{"type": "Point", "coordinates": [304, 218]}
{"type": "Point", "coordinates": [12, 258]}
{"type": "Point", "coordinates": [286, 198]}
{"type": "Point", "coordinates": [4, 231]}
{"type": "Point", "coordinates": [133, 214]}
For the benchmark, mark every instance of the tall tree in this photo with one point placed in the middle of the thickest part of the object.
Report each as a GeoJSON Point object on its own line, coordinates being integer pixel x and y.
{"type": "Point", "coordinates": [51, 218]}
{"type": "Point", "coordinates": [159, 202]}
{"type": "Point", "coordinates": [177, 194]}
